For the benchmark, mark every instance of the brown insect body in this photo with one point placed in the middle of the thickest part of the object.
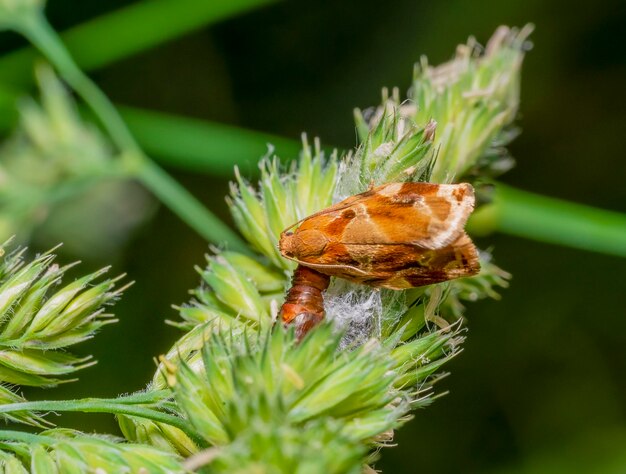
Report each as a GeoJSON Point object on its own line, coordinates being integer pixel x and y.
{"type": "Point", "coordinates": [397, 236]}
{"type": "Point", "coordinates": [304, 304]}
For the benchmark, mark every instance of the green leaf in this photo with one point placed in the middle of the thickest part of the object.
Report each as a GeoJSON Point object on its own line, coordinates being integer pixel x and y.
{"type": "Point", "coordinates": [551, 220]}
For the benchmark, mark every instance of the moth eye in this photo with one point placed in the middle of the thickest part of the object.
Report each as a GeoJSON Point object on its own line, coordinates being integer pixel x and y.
{"type": "Point", "coordinates": [288, 233]}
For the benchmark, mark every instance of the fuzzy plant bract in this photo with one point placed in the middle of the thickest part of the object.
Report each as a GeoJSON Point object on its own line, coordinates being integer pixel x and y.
{"type": "Point", "coordinates": [249, 384]}
{"type": "Point", "coordinates": [52, 155]}
{"type": "Point", "coordinates": [40, 318]}
{"type": "Point", "coordinates": [239, 289]}
{"type": "Point", "coordinates": [68, 451]}
{"type": "Point", "coordinates": [283, 198]}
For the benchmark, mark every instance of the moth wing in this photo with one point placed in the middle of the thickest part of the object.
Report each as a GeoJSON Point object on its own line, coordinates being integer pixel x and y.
{"type": "Point", "coordinates": [428, 215]}
{"type": "Point", "coordinates": [458, 260]}
{"type": "Point", "coordinates": [405, 266]}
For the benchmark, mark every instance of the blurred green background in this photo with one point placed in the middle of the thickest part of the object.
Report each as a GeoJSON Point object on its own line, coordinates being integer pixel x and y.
{"type": "Point", "coordinates": [540, 386]}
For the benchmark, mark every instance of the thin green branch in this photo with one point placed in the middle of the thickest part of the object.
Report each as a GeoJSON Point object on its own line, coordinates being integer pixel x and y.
{"type": "Point", "coordinates": [190, 210]}
{"type": "Point", "coordinates": [30, 438]}
{"type": "Point", "coordinates": [45, 39]}
{"type": "Point", "coordinates": [170, 192]}
{"type": "Point", "coordinates": [546, 219]}
{"type": "Point", "coordinates": [118, 406]}
{"type": "Point", "coordinates": [198, 145]}
{"type": "Point", "coordinates": [128, 31]}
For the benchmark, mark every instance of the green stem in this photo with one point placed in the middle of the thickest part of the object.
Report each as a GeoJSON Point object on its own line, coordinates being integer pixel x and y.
{"type": "Point", "coordinates": [30, 438]}
{"type": "Point", "coordinates": [178, 199]}
{"type": "Point", "coordinates": [43, 37]}
{"type": "Point", "coordinates": [200, 145]}
{"type": "Point", "coordinates": [117, 406]}
{"type": "Point", "coordinates": [188, 209]}
{"type": "Point", "coordinates": [127, 31]}
{"type": "Point", "coordinates": [545, 219]}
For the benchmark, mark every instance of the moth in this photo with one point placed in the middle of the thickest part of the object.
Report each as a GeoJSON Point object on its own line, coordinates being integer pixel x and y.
{"type": "Point", "coordinates": [397, 236]}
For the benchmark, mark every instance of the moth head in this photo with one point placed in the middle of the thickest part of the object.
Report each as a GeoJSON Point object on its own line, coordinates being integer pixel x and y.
{"type": "Point", "coordinates": [302, 244]}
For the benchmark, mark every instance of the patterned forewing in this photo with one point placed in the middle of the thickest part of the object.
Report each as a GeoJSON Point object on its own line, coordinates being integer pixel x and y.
{"type": "Point", "coordinates": [398, 235]}
{"type": "Point", "coordinates": [399, 266]}
{"type": "Point", "coordinates": [430, 216]}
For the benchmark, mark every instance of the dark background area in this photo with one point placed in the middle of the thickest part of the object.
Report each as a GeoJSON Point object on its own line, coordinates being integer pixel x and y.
{"type": "Point", "coordinates": [540, 386]}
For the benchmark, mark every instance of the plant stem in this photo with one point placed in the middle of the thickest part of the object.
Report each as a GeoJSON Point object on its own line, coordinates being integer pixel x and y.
{"type": "Point", "coordinates": [200, 145]}
{"type": "Point", "coordinates": [529, 215]}
{"type": "Point", "coordinates": [43, 37]}
{"type": "Point", "coordinates": [117, 406]}
{"type": "Point", "coordinates": [127, 31]}
{"type": "Point", "coordinates": [178, 199]}
{"type": "Point", "coordinates": [12, 435]}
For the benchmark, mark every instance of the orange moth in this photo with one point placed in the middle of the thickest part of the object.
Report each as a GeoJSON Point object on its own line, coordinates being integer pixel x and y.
{"type": "Point", "coordinates": [397, 236]}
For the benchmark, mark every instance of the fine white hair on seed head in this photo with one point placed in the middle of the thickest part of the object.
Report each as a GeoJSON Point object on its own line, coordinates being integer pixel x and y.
{"type": "Point", "coordinates": [355, 309]}
{"type": "Point", "coordinates": [348, 181]}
